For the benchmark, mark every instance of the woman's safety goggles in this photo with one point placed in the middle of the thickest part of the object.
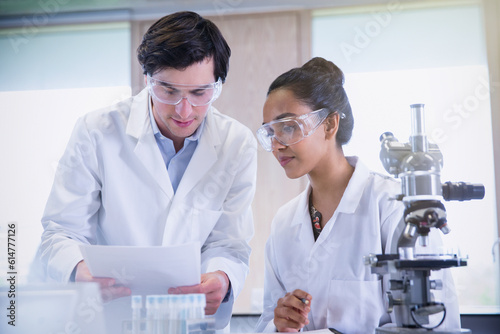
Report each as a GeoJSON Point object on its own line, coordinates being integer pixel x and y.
{"type": "Point", "coordinates": [173, 94]}
{"type": "Point", "coordinates": [290, 130]}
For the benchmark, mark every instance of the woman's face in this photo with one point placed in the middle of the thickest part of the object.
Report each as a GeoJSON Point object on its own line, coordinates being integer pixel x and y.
{"type": "Point", "coordinates": [301, 158]}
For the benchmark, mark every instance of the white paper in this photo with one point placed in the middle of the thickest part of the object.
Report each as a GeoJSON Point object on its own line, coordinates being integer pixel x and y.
{"type": "Point", "coordinates": [146, 270]}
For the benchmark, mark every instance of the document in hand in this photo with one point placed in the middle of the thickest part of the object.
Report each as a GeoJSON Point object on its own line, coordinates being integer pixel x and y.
{"type": "Point", "coordinates": [146, 270]}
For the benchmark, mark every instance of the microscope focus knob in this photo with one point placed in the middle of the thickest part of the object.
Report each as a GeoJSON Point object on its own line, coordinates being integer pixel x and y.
{"type": "Point", "coordinates": [370, 260]}
{"type": "Point", "coordinates": [437, 284]}
{"type": "Point", "coordinates": [389, 299]}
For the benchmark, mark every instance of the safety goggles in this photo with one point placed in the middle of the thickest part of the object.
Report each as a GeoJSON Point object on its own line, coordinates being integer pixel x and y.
{"type": "Point", "coordinates": [290, 130]}
{"type": "Point", "coordinates": [173, 94]}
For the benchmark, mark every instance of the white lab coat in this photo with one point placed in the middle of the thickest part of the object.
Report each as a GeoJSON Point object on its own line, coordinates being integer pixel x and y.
{"type": "Point", "coordinates": [345, 294]}
{"type": "Point", "coordinates": [112, 187]}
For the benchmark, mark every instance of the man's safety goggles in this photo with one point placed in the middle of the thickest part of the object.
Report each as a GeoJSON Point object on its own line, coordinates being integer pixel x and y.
{"type": "Point", "coordinates": [173, 94]}
{"type": "Point", "coordinates": [290, 130]}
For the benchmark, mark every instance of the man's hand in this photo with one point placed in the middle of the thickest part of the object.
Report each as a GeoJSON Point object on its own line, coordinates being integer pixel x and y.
{"type": "Point", "coordinates": [214, 285]}
{"type": "Point", "coordinates": [109, 290]}
{"type": "Point", "coordinates": [290, 315]}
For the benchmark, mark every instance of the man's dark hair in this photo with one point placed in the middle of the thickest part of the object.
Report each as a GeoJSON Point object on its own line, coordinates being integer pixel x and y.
{"type": "Point", "coordinates": [180, 40]}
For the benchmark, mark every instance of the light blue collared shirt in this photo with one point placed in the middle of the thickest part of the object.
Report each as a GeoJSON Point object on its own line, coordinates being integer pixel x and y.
{"type": "Point", "coordinates": [176, 163]}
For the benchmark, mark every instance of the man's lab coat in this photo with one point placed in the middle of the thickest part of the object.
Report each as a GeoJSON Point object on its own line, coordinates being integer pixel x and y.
{"type": "Point", "coordinates": [112, 188]}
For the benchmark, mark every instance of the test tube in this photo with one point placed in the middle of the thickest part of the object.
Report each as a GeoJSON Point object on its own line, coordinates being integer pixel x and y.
{"type": "Point", "coordinates": [151, 314]}
{"type": "Point", "coordinates": [202, 303]}
{"type": "Point", "coordinates": [136, 314]}
{"type": "Point", "coordinates": [173, 314]}
{"type": "Point", "coordinates": [166, 314]}
{"type": "Point", "coordinates": [184, 313]}
{"type": "Point", "coordinates": [159, 315]}
{"type": "Point", "coordinates": [197, 306]}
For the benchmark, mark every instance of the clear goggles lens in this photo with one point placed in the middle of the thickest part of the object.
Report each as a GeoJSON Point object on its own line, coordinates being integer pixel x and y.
{"type": "Point", "coordinates": [171, 93]}
{"type": "Point", "coordinates": [290, 130]}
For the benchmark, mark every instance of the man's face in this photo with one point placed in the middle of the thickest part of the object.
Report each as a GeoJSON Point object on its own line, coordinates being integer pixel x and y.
{"type": "Point", "coordinates": [181, 120]}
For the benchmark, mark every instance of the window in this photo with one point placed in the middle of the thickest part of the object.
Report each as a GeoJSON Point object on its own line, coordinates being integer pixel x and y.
{"type": "Point", "coordinates": [50, 77]}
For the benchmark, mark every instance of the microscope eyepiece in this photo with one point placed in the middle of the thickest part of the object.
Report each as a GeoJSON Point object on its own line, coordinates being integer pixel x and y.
{"type": "Point", "coordinates": [462, 191]}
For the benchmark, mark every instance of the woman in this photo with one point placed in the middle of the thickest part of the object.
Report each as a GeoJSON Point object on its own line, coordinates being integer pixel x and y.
{"type": "Point", "coordinates": [315, 275]}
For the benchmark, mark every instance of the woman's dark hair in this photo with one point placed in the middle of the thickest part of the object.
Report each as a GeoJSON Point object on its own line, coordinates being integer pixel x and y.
{"type": "Point", "coordinates": [319, 84]}
{"type": "Point", "coordinates": [180, 40]}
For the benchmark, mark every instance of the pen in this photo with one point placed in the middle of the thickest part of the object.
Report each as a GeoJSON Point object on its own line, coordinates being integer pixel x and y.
{"type": "Point", "coordinates": [305, 301]}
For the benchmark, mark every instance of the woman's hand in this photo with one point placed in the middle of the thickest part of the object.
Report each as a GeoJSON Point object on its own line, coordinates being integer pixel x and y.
{"type": "Point", "coordinates": [290, 315]}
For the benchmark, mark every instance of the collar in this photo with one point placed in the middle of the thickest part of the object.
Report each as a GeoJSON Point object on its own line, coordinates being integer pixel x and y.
{"type": "Point", "coordinates": [352, 194]}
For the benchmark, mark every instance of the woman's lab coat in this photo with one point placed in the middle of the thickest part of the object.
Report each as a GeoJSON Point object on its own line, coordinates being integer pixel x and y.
{"type": "Point", "coordinates": [345, 294]}
{"type": "Point", "coordinates": [112, 188]}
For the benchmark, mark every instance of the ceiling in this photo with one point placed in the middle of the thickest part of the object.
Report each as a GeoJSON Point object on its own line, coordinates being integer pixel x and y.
{"type": "Point", "coordinates": [18, 13]}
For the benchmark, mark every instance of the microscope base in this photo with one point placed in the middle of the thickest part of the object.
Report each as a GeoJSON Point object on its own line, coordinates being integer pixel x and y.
{"type": "Point", "coordinates": [403, 330]}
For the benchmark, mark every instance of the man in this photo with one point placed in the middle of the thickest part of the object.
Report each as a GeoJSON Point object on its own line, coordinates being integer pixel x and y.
{"type": "Point", "coordinates": [161, 168]}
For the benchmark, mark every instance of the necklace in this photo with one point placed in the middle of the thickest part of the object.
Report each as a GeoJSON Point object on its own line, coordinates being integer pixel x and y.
{"type": "Point", "coordinates": [315, 219]}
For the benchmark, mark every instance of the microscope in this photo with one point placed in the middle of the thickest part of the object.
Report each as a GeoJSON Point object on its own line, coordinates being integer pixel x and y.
{"type": "Point", "coordinates": [418, 165]}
